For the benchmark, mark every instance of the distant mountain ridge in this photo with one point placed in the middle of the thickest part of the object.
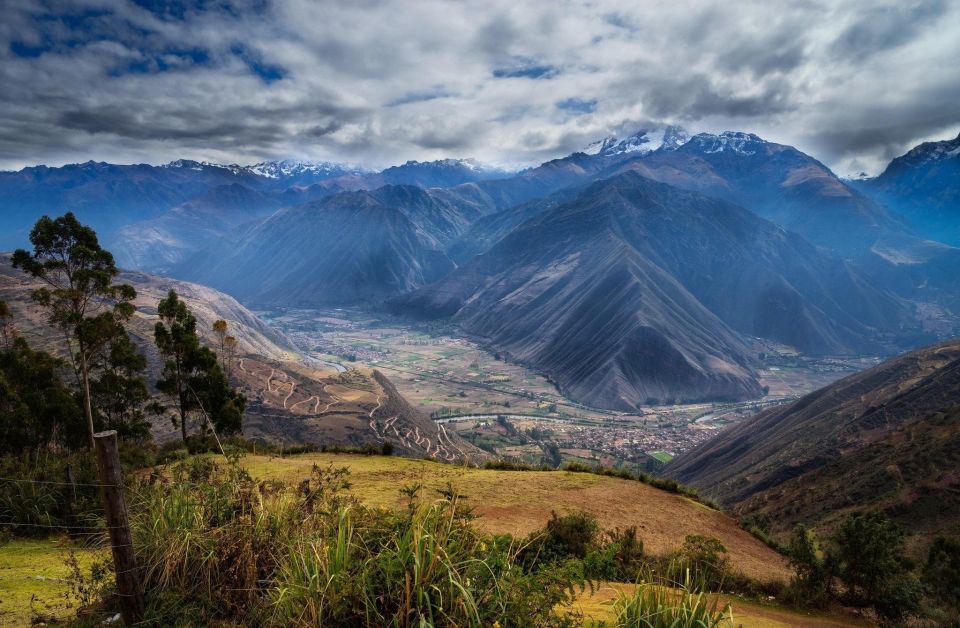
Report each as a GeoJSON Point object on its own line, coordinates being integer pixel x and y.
{"type": "Point", "coordinates": [924, 186]}
{"type": "Point", "coordinates": [110, 197]}
{"type": "Point", "coordinates": [351, 247]}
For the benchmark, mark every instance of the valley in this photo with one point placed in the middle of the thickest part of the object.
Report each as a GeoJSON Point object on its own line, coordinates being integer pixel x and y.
{"type": "Point", "coordinates": [511, 410]}
{"type": "Point", "coordinates": [467, 314]}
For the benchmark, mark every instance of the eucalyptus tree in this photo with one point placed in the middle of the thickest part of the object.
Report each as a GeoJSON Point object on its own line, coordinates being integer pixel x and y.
{"type": "Point", "coordinates": [78, 293]}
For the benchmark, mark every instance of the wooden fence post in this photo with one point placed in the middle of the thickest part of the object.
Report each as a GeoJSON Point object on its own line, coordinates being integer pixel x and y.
{"type": "Point", "coordinates": [71, 496]}
{"type": "Point", "coordinates": [121, 540]}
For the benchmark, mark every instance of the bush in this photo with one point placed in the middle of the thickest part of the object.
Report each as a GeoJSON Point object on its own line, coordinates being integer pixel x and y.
{"type": "Point", "coordinates": [568, 536]}
{"type": "Point", "coordinates": [215, 546]}
{"type": "Point", "coordinates": [664, 604]}
{"type": "Point", "coordinates": [941, 573]}
{"type": "Point", "coordinates": [868, 556]}
{"type": "Point", "coordinates": [810, 585]}
{"type": "Point", "coordinates": [703, 560]}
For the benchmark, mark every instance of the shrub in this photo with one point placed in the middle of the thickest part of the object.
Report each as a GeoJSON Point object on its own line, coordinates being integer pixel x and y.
{"type": "Point", "coordinates": [941, 573]}
{"type": "Point", "coordinates": [868, 555]}
{"type": "Point", "coordinates": [216, 547]}
{"type": "Point", "coordinates": [569, 536]}
{"type": "Point", "coordinates": [702, 559]}
{"type": "Point", "coordinates": [810, 585]}
{"type": "Point", "coordinates": [653, 605]}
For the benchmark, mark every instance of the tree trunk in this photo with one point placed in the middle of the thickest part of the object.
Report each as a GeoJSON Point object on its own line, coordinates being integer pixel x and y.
{"type": "Point", "coordinates": [183, 415]}
{"type": "Point", "coordinates": [87, 407]}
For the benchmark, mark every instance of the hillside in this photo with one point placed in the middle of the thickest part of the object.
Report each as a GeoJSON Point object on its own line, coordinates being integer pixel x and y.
{"type": "Point", "coordinates": [636, 290]}
{"type": "Point", "coordinates": [291, 401]}
{"type": "Point", "coordinates": [351, 247]}
{"type": "Point", "coordinates": [886, 438]}
{"type": "Point", "coordinates": [519, 502]}
{"type": "Point", "coordinates": [161, 242]}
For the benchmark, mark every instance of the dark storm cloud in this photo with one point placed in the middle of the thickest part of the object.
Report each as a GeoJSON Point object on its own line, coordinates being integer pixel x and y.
{"type": "Point", "coordinates": [698, 97]}
{"type": "Point", "coordinates": [880, 28]}
{"type": "Point", "coordinates": [382, 81]}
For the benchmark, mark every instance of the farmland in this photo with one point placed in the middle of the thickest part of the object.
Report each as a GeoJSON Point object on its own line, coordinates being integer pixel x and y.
{"type": "Point", "coordinates": [452, 377]}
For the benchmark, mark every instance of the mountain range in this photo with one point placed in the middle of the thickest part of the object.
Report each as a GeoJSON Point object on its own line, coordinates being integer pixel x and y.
{"type": "Point", "coordinates": [708, 241]}
{"type": "Point", "coordinates": [634, 291]}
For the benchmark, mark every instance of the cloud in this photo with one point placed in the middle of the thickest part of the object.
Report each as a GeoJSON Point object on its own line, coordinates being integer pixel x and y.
{"type": "Point", "coordinates": [383, 81]}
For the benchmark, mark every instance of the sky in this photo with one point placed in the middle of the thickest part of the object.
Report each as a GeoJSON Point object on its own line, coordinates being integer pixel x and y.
{"type": "Point", "coordinates": [507, 82]}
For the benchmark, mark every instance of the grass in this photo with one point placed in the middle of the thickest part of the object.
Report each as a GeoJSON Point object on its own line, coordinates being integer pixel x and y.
{"type": "Point", "coordinates": [662, 456]}
{"type": "Point", "coordinates": [33, 574]}
{"type": "Point", "coordinates": [598, 608]}
{"type": "Point", "coordinates": [216, 546]}
{"type": "Point", "coordinates": [518, 502]}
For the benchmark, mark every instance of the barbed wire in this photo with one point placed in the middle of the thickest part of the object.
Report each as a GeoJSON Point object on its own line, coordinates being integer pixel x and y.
{"type": "Point", "coordinates": [60, 526]}
{"type": "Point", "coordinates": [26, 481]}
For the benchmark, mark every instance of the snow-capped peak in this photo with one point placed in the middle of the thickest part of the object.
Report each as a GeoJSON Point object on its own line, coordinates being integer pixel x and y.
{"type": "Point", "coordinates": [734, 141]}
{"type": "Point", "coordinates": [271, 169]}
{"type": "Point", "coordinates": [291, 167]}
{"type": "Point", "coordinates": [642, 142]}
{"type": "Point", "coordinates": [929, 152]}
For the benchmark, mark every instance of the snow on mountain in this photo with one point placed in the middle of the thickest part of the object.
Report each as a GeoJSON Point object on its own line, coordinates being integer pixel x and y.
{"type": "Point", "coordinates": [642, 142]}
{"type": "Point", "coordinates": [734, 141]}
{"type": "Point", "coordinates": [283, 169]}
{"type": "Point", "coordinates": [291, 168]}
{"type": "Point", "coordinates": [929, 152]}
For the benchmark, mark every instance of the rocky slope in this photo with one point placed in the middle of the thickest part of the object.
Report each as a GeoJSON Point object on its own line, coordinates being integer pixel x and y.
{"type": "Point", "coordinates": [886, 438]}
{"type": "Point", "coordinates": [633, 292]}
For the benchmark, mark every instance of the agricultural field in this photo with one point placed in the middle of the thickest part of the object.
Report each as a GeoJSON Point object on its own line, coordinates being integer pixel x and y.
{"type": "Point", "coordinates": [455, 379]}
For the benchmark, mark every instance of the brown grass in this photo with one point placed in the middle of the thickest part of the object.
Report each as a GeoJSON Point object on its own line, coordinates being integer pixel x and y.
{"type": "Point", "coordinates": [519, 502]}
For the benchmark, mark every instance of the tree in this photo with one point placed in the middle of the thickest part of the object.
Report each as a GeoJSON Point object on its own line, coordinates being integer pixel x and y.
{"type": "Point", "coordinates": [191, 375]}
{"type": "Point", "coordinates": [6, 326]}
{"type": "Point", "coordinates": [220, 331]}
{"type": "Point", "coordinates": [120, 393]}
{"type": "Point", "coordinates": [230, 349]}
{"type": "Point", "coordinates": [36, 408]}
{"type": "Point", "coordinates": [226, 345]}
{"type": "Point", "coordinates": [942, 571]}
{"type": "Point", "coordinates": [79, 295]}
{"type": "Point", "coordinates": [868, 556]}
{"type": "Point", "coordinates": [811, 581]}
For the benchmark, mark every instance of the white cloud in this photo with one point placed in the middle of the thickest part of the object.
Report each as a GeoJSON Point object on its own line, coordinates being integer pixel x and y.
{"type": "Point", "coordinates": [381, 82]}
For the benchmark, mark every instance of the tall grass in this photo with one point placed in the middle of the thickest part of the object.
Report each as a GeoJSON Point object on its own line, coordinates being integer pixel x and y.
{"type": "Point", "coordinates": [671, 605]}
{"type": "Point", "coordinates": [214, 545]}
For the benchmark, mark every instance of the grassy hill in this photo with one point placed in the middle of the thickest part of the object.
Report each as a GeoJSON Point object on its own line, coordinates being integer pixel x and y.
{"type": "Point", "coordinates": [519, 502]}
{"type": "Point", "coordinates": [34, 577]}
